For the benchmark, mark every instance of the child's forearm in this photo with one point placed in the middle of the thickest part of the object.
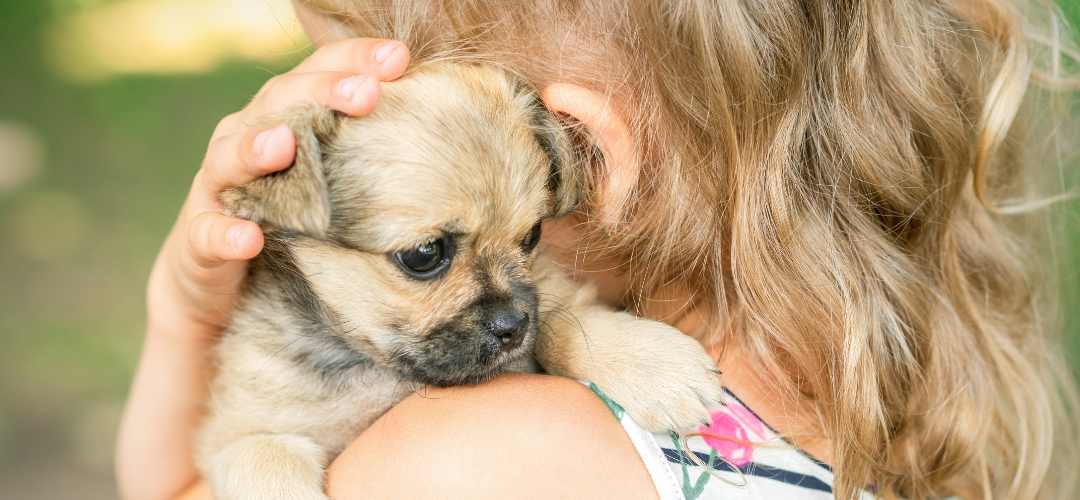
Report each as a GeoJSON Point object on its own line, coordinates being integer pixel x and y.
{"type": "Point", "coordinates": [155, 446]}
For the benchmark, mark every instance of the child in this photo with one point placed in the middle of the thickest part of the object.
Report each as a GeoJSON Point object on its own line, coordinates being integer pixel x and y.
{"type": "Point", "coordinates": [827, 194]}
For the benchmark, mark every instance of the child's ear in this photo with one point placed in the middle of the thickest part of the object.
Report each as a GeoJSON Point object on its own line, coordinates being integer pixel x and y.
{"type": "Point", "coordinates": [610, 134]}
{"type": "Point", "coordinates": [297, 198]}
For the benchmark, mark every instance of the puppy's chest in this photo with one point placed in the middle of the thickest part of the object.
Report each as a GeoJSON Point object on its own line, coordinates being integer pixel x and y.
{"type": "Point", "coordinates": [266, 390]}
{"type": "Point", "coordinates": [346, 410]}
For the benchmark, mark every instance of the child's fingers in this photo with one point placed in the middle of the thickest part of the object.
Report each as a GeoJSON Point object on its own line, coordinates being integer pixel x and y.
{"type": "Point", "coordinates": [215, 238]}
{"type": "Point", "coordinates": [384, 59]}
{"type": "Point", "coordinates": [352, 94]}
{"type": "Point", "coordinates": [236, 159]}
{"type": "Point", "coordinates": [343, 76]}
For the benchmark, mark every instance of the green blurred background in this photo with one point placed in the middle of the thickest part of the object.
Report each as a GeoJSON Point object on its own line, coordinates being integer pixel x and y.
{"type": "Point", "coordinates": [105, 110]}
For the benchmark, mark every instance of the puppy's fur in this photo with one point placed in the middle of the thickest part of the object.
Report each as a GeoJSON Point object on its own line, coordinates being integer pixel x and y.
{"type": "Point", "coordinates": [332, 330]}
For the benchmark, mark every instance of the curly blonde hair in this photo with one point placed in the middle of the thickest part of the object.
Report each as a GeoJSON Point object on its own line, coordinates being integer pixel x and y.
{"type": "Point", "coordinates": [851, 187]}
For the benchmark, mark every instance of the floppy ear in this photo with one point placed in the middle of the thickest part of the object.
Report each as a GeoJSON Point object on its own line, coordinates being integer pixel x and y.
{"type": "Point", "coordinates": [566, 179]}
{"type": "Point", "coordinates": [297, 198]}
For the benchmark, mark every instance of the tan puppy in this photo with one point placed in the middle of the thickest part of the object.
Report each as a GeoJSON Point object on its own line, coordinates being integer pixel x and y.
{"type": "Point", "coordinates": [401, 251]}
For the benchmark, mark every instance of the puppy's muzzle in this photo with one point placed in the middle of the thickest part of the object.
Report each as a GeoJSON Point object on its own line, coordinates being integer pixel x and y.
{"type": "Point", "coordinates": [474, 346]}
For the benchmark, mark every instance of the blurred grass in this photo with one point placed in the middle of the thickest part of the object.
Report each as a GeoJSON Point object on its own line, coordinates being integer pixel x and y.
{"type": "Point", "coordinates": [1071, 261]}
{"type": "Point", "coordinates": [81, 236]}
{"type": "Point", "coordinates": [80, 240]}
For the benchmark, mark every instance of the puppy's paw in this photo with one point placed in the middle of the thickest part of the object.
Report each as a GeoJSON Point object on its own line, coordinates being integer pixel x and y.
{"type": "Point", "coordinates": [662, 378]}
{"type": "Point", "coordinates": [268, 467]}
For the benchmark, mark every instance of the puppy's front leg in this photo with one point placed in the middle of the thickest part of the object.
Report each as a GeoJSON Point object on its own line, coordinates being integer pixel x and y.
{"type": "Point", "coordinates": [661, 377]}
{"type": "Point", "coordinates": [268, 466]}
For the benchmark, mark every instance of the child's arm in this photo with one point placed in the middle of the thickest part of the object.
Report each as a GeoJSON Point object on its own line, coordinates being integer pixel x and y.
{"type": "Point", "coordinates": [517, 436]}
{"type": "Point", "coordinates": [198, 272]}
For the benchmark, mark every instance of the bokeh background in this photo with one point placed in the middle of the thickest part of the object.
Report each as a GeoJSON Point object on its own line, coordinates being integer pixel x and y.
{"type": "Point", "coordinates": [105, 110]}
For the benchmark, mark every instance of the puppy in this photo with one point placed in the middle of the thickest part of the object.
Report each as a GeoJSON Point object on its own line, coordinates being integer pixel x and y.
{"type": "Point", "coordinates": [401, 251]}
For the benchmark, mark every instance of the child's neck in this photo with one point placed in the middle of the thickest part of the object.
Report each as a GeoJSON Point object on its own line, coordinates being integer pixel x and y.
{"type": "Point", "coordinates": [790, 416]}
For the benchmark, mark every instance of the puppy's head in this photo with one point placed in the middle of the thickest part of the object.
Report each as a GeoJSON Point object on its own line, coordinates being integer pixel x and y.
{"type": "Point", "coordinates": [414, 228]}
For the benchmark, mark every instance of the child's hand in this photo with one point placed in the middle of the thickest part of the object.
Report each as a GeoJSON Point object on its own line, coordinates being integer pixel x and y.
{"type": "Point", "coordinates": [197, 274]}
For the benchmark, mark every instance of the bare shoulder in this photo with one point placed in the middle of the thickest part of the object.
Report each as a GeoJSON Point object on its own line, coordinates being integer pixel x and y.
{"type": "Point", "coordinates": [518, 436]}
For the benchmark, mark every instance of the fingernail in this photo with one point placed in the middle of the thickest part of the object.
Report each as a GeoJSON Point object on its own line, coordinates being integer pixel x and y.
{"type": "Point", "coordinates": [356, 89]}
{"type": "Point", "coordinates": [384, 51]}
{"type": "Point", "coordinates": [237, 235]}
{"type": "Point", "coordinates": [261, 145]}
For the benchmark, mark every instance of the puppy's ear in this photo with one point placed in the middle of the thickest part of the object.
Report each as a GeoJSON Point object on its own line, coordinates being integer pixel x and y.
{"type": "Point", "coordinates": [297, 198]}
{"type": "Point", "coordinates": [566, 179]}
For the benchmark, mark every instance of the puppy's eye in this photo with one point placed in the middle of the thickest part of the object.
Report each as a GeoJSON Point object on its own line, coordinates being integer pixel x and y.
{"type": "Point", "coordinates": [530, 241]}
{"type": "Point", "coordinates": [425, 261]}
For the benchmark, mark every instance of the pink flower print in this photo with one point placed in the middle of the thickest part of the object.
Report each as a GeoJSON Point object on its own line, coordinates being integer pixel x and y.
{"type": "Point", "coordinates": [733, 434]}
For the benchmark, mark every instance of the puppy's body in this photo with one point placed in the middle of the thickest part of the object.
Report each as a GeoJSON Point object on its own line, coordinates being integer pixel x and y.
{"type": "Point", "coordinates": [401, 251]}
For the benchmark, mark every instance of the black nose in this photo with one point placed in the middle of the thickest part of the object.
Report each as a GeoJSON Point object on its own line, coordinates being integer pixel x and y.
{"type": "Point", "coordinates": [508, 327]}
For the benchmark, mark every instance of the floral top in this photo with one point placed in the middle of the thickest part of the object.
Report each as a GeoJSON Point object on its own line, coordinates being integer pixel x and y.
{"type": "Point", "coordinates": [735, 456]}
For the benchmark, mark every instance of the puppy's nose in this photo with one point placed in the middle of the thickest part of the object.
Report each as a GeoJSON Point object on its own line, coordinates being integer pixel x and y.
{"type": "Point", "coordinates": [508, 326]}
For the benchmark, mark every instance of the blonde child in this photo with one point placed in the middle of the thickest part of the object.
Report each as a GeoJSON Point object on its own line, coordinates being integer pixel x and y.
{"type": "Point", "coordinates": [833, 196]}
